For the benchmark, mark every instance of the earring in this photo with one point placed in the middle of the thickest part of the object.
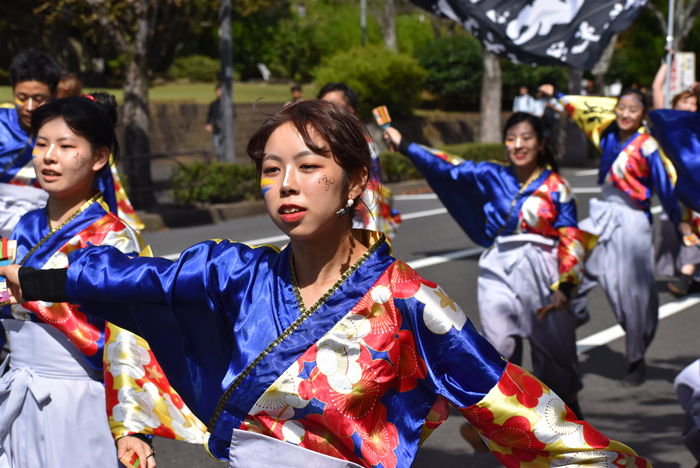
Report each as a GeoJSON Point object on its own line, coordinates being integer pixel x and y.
{"type": "Point", "coordinates": [341, 212]}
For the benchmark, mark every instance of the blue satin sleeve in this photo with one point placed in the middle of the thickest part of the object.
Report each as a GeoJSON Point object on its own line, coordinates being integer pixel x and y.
{"type": "Point", "coordinates": [435, 168]}
{"type": "Point", "coordinates": [568, 216]}
{"type": "Point", "coordinates": [664, 187]}
{"type": "Point", "coordinates": [188, 310]}
{"type": "Point", "coordinates": [461, 365]}
{"type": "Point", "coordinates": [104, 182]}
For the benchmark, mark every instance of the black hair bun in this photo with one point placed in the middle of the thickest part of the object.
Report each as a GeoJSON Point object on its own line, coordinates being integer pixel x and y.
{"type": "Point", "coordinates": [108, 102]}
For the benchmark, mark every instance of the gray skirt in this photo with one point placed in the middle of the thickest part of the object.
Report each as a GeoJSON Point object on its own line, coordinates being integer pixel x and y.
{"type": "Point", "coordinates": [514, 282]}
{"type": "Point", "coordinates": [52, 405]}
{"type": "Point", "coordinates": [622, 262]}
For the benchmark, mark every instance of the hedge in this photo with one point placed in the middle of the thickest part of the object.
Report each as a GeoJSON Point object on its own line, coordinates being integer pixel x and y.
{"type": "Point", "coordinates": [225, 183]}
{"type": "Point", "coordinates": [215, 183]}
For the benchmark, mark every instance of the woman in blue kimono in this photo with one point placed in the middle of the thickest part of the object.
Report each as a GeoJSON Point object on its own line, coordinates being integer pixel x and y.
{"type": "Point", "coordinates": [525, 213]}
{"type": "Point", "coordinates": [329, 352]}
{"type": "Point", "coordinates": [632, 169]}
{"type": "Point", "coordinates": [66, 368]}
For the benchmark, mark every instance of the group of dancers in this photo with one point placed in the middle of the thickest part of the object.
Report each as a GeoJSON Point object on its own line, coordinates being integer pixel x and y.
{"type": "Point", "coordinates": [328, 352]}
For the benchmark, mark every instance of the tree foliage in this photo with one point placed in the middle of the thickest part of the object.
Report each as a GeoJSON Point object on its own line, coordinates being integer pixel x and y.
{"type": "Point", "coordinates": [379, 76]}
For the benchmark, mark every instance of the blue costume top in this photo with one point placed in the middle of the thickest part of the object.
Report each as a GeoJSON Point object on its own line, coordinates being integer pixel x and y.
{"type": "Point", "coordinates": [361, 375]}
{"type": "Point", "coordinates": [488, 201]}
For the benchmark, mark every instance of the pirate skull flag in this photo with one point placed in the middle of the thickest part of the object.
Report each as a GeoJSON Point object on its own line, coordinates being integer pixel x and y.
{"type": "Point", "coordinates": [541, 32]}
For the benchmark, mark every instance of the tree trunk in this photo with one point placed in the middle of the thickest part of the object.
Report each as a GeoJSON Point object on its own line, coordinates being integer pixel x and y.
{"type": "Point", "coordinates": [389, 26]}
{"type": "Point", "coordinates": [226, 107]}
{"type": "Point", "coordinates": [137, 121]}
{"type": "Point", "coordinates": [491, 99]}
{"type": "Point", "coordinates": [601, 68]}
{"type": "Point", "coordinates": [435, 21]}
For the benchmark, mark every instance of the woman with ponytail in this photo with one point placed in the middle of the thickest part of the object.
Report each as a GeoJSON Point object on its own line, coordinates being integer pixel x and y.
{"type": "Point", "coordinates": [525, 214]}
{"type": "Point", "coordinates": [65, 367]}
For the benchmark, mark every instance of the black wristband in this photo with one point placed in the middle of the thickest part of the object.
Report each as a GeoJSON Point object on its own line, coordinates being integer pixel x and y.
{"type": "Point", "coordinates": [142, 437]}
{"type": "Point", "coordinates": [403, 146]}
{"type": "Point", "coordinates": [567, 288]}
{"type": "Point", "coordinates": [43, 285]}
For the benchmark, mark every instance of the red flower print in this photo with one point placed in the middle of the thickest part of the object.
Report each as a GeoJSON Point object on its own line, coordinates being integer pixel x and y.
{"type": "Point", "coordinates": [594, 438]}
{"type": "Point", "coordinates": [345, 412]}
{"type": "Point", "coordinates": [516, 433]}
{"type": "Point", "coordinates": [383, 317]}
{"type": "Point", "coordinates": [379, 442]}
{"type": "Point", "coordinates": [405, 282]}
{"type": "Point", "coordinates": [321, 439]}
{"type": "Point", "coordinates": [516, 381]}
{"type": "Point", "coordinates": [411, 366]}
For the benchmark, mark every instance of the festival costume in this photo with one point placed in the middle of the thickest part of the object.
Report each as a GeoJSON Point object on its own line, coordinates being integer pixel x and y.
{"type": "Point", "coordinates": [534, 247]}
{"type": "Point", "coordinates": [376, 212]}
{"type": "Point", "coordinates": [623, 260]}
{"type": "Point", "coordinates": [20, 191]}
{"type": "Point", "coordinates": [363, 375]}
{"type": "Point", "coordinates": [67, 368]}
{"type": "Point", "coordinates": [687, 385]}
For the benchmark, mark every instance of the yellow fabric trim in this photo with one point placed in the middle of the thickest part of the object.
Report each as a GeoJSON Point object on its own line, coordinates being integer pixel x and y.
{"type": "Point", "coordinates": [96, 198]}
{"type": "Point", "coordinates": [7, 105]}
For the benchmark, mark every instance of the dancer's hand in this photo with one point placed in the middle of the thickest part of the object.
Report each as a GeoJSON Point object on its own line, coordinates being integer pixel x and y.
{"type": "Point", "coordinates": [559, 302]}
{"type": "Point", "coordinates": [547, 90]}
{"type": "Point", "coordinates": [685, 228]}
{"type": "Point", "coordinates": [392, 137]}
{"type": "Point", "coordinates": [140, 448]}
{"type": "Point", "coordinates": [11, 274]}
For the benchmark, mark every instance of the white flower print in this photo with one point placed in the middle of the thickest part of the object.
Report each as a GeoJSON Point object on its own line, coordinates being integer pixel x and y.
{"type": "Point", "coordinates": [280, 399]}
{"type": "Point", "coordinates": [619, 166]}
{"type": "Point", "coordinates": [553, 426]}
{"type": "Point", "coordinates": [124, 240]}
{"type": "Point", "coordinates": [182, 427]}
{"type": "Point", "coordinates": [293, 432]}
{"type": "Point", "coordinates": [57, 260]}
{"type": "Point", "coordinates": [136, 409]}
{"type": "Point", "coordinates": [588, 459]}
{"type": "Point", "coordinates": [337, 359]}
{"type": "Point", "coordinates": [565, 194]}
{"type": "Point", "coordinates": [530, 209]}
{"type": "Point", "coordinates": [126, 356]}
{"type": "Point", "coordinates": [440, 313]}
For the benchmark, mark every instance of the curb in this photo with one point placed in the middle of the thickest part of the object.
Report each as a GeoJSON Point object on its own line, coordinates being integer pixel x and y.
{"type": "Point", "coordinates": [202, 214]}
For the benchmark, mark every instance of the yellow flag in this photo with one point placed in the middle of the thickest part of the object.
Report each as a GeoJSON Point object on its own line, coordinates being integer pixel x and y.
{"type": "Point", "coordinates": [592, 113]}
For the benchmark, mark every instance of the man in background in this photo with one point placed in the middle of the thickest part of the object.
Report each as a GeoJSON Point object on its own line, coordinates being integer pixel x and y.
{"type": "Point", "coordinates": [34, 76]}
{"type": "Point", "coordinates": [213, 125]}
{"type": "Point", "coordinates": [296, 93]}
{"type": "Point", "coordinates": [523, 102]}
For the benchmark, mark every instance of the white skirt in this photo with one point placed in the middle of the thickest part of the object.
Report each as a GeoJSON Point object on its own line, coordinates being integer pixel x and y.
{"type": "Point", "coordinates": [52, 403]}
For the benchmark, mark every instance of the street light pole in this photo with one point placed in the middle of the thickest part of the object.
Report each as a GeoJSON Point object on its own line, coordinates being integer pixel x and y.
{"type": "Point", "coordinates": [669, 56]}
{"type": "Point", "coordinates": [363, 21]}
{"type": "Point", "coordinates": [226, 108]}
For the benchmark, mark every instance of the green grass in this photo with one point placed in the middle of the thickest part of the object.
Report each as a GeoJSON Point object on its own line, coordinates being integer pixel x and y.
{"type": "Point", "coordinates": [202, 93]}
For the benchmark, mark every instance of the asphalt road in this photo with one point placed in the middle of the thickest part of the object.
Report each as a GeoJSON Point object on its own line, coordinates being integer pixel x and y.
{"type": "Point", "coordinates": [647, 418]}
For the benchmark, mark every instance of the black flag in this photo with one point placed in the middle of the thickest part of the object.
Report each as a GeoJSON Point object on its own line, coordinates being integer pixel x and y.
{"type": "Point", "coordinates": [541, 32]}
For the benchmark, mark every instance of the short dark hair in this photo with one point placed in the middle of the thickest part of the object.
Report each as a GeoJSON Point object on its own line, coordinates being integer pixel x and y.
{"type": "Point", "coordinates": [549, 156]}
{"type": "Point", "coordinates": [94, 120]}
{"type": "Point", "coordinates": [347, 91]}
{"type": "Point", "coordinates": [296, 88]}
{"type": "Point", "coordinates": [35, 65]}
{"type": "Point", "coordinates": [342, 135]}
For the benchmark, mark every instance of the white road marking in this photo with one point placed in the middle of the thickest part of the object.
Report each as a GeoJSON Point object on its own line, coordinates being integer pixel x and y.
{"type": "Point", "coordinates": [416, 196]}
{"type": "Point", "coordinates": [423, 214]}
{"type": "Point", "coordinates": [586, 190]}
{"type": "Point", "coordinates": [444, 258]}
{"type": "Point", "coordinates": [611, 334]}
{"type": "Point", "coordinates": [587, 172]}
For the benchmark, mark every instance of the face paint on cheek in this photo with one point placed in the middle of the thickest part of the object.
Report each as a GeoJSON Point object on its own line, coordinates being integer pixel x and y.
{"type": "Point", "coordinates": [79, 158]}
{"type": "Point", "coordinates": [266, 185]}
{"type": "Point", "coordinates": [286, 175]}
{"type": "Point", "coordinates": [35, 153]}
{"type": "Point", "coordinates": [18, 103]}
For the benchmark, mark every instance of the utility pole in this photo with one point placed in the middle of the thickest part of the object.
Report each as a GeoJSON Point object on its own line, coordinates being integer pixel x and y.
{"type": "Point", "coordinates": [363, 21]}
{"type": "Point", "coordinates": [669, 56]}
{"type": "Point", "coordinates": [226, 108]}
